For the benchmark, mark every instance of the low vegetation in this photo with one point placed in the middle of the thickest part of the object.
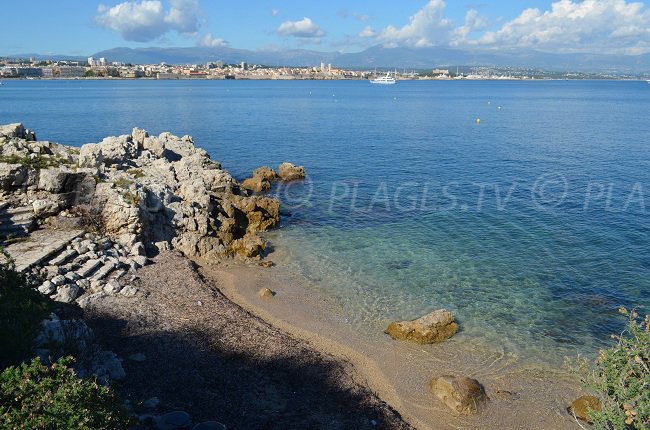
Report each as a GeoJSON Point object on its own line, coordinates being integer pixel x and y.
{"type": "Point", "coordinates": [22, 308]}
{"type": "Point", "coordinates": [39, 162]}
{"type": "Point", "coordinates": [621, 377]}
{"type": "Point", "coordinates": [34, 396]}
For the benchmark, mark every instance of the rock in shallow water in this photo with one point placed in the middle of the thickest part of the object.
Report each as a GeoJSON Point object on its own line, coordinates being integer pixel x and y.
{"type": "Point", "coordinates": [434, 327]}
{"type": "Point", "coordinates": [460, 393]}
{"type": "Point", "coordinates": [291, 172]}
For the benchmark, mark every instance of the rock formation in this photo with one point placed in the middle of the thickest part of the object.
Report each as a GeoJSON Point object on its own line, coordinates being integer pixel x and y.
{"type": "Point", "coordinates": [158, 191]}
{"type": "Point", "coordinates": [434, 327]}
{"type": "Point", "coordinates": [460, 393]}
{"type": "Point", "coordinates": [291, 172]}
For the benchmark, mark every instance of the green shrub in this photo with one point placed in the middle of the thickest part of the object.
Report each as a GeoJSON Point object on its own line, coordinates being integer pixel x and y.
{"type": "Point", "coordinates": [21, 311]}
{"type": "Point", "coordinates": [622, 378]}
{"type": "Point", "coordinates": [34, 396]}
{"type": "Point", "coordinates": [39, 162]}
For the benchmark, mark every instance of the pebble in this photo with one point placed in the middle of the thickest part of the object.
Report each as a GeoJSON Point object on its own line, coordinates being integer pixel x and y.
{"type": "Point", "coordinates": [67, 293]}
{"type": "Point", "coordinates": [47, 288]}
{"type": "Point", "coordinates": [128, 291]}
{"type": "Point", "coordinates": [209, 425]}
{"type": "Point", "coordinates": [112, 287]}
{"type": "Point", "coordinates": [266, 293]}
{"type": "Point", "coordinates": [151, 403]}
{"type": "Point", "coordinates": [58, 280]}
{"type": "Point", "coordinates": [138, 356]}
{"type": "Point", "coordinates": [173, 421]}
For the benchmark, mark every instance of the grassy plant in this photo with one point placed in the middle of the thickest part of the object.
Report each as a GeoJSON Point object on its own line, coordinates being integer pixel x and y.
{"type": "Point", "coordinates": [123, 183]}
{"type": "Point", "coordinates": [34, 396]}
{"type": "Point", "coordinates": [622, 378]}
{"type": "Point", "coordinates": [39, 162]}
{"type": "Point", "coordinates": [21, 311]}
{"type": "Point", "coordinates": [131, 198]}
{"type": "Point", "coordinates": [136, 173]}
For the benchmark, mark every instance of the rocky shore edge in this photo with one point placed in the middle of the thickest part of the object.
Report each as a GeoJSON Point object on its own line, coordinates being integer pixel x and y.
{"type": "Point", "coordinates": [87, 221]}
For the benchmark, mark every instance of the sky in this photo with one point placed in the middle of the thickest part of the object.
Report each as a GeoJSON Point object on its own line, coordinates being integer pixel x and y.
{"type": "Point", "coordinates": [83, 27]}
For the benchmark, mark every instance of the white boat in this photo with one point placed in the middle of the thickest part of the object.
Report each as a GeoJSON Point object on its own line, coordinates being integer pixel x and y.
{"type": "Point", "coordinates": [384, 80]}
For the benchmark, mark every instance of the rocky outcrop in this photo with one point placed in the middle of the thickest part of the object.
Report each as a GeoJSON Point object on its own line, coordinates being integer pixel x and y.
{"type": "Point", "coordinates": [583, 406]}
{"type": "Point", "coordinates": [434, 327]}
{"type": "Point", "coordinates": [291, 172]}
{"type": "Point", "coordinates": [160, 191]}
{"type": "Point", "coordinates": [460, 393]}
{"type": "Point", "coordinates": [260, 180]}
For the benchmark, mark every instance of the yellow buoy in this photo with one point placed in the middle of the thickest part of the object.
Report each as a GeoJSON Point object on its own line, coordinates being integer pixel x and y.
{"type": "Point", "coordinates": [478, 120]}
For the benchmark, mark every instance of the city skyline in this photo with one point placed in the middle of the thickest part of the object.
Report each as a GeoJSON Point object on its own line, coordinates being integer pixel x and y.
{"type": "Point", "coordinates": [565, 26]}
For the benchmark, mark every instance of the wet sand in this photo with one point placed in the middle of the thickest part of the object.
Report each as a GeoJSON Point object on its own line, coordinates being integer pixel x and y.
{"type": "Point", "coordinates": [522, 395]}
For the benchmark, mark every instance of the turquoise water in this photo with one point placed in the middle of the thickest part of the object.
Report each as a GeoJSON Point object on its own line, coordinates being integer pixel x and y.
{"type": "Point", "coordinates": [532, 226]}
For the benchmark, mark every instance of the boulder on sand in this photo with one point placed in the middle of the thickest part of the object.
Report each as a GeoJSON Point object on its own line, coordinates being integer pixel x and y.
{"type": "Point", "coordinates": [462, 394]}
{"type": "Point", "coordinates": [582, 406]}
{"type": "Point", "coordinates": [435, 327]}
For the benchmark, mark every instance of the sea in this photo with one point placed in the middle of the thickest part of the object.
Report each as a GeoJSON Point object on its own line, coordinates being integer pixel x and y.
{"type": "Point", "coordinates": [521, 206]}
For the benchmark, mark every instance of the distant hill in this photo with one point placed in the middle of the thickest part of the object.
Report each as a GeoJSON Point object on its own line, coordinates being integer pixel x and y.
{"type": "Point", "coordinates": [379, 57]}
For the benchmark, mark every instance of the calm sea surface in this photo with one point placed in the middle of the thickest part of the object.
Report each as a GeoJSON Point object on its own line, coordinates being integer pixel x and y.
{"type": "Point", "coordinates": [532, 226]}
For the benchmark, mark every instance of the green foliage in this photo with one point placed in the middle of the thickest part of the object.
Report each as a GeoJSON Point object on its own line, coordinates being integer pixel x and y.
{"type": "Point", "coordinates": [34, 396]}
{"type": "Point", "coordinates": [39, 162]}
{"type": "Point", "coordinates": [132, 199]}
{"type": "Point", "coordinates": [89, 74]}
{"type": "Point", "coordinates": [136, 173]}
{"type": "Point", "coordinates": [622, 378]}
{"type": "Point", "coordinates": [123, 183]}
{"type": "Point", "coordinates": [21, 311]}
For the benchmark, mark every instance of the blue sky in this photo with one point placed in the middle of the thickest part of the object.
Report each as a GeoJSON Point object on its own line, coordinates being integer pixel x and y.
{"type": "Point", "coordinates": [82, 27]}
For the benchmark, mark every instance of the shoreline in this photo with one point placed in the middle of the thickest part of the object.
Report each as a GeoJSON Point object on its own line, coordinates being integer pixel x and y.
{"type": "Point", "coordinates": [520, 395]}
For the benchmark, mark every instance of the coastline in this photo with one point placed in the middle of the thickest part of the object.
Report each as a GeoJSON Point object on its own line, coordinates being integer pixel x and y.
{"type": "Point", "coordinates": [521, 395]}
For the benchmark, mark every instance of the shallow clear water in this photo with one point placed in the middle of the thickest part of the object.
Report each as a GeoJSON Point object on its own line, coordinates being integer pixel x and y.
{"type": "Point", "coordinates": [532, 226]}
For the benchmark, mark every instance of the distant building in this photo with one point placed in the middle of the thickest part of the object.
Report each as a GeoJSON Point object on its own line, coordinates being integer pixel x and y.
{"type": "Point", "coordinates": [30, 72]}
{"type": "Point", "coordinates": [102, 62]}
{"type": "Point", "coordinates": [71, 71]}
{"type": "Point", "coordinates": [8, 72]}
{"type": "Point", "coordinates": [91, 61]}
{"type": "Point", "coordinates": [244, 65]}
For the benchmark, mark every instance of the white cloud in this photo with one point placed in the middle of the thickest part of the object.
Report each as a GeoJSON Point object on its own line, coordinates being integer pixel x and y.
{"type": "Point", "coordinates": [212, 42]}
{"type": "Point", "coordinates": [274, 12]}
{"type": "Point", "coordinates": [426, 27]}
{"type": "Point", "coordinates": [305, 28]}
{"type": "Point", "coordinates": [473, 22]}
{"type": "Point", "coordinates": [604, 26]}
{"type": "Point", "coordinates": [146, 20]}
{"type": "Point", "coordinates": [361, 16]}
{"type": "Point", "coordinates": [367, 32]}
{"type": "Point", "coordinates": [599, 26]}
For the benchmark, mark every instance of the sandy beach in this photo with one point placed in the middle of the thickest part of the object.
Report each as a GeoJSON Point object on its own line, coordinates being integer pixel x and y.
{"type": "Point", "coordinates": [522, 396]}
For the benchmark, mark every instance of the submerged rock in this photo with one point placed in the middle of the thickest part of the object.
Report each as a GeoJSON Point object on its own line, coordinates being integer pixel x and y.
{"type": "Point", "coordinates": [460, 393]}
{"type": "Point", "coordinates": [582, 406]}
{"type": "Point", "coordinates": [434, 327]}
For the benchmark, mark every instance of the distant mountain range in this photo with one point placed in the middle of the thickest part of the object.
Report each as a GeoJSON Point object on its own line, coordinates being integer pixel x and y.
{"type": "Point", "coordinates": [379, 57]}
